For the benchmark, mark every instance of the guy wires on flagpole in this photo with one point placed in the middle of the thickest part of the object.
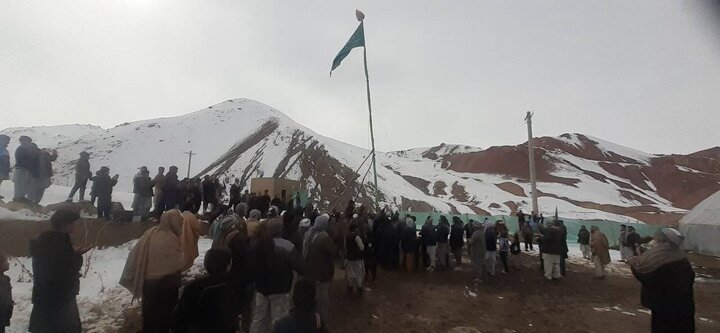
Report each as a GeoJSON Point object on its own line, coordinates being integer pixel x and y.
{"type": "Point", "coordinates": [358, 40]}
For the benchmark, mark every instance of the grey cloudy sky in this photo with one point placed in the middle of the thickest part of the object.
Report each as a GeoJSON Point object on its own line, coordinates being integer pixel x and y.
{"type": "Point", "coordinates": [644, 74]}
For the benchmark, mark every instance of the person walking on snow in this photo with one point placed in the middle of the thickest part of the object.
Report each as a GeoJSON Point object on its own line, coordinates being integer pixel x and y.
{"type": "Point", "coordinates": [26, 159]}
{"type": "Point", "coordinates": [82, 174]}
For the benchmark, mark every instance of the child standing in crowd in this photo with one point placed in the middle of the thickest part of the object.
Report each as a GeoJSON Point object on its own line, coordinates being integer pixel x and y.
{"type": "Point", "coordinates": [6, 301]}
{"type": "Point", "coordinates": [504, 250]}
{"type": "Point", "coordinates": [515, 251]}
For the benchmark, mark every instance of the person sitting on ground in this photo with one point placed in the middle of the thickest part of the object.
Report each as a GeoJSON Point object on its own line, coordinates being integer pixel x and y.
{"type": "Point", "coordinates": [6, 300]}
{"type": "Point", "coordinates": [56, 267]}
{"type": "Point", "coordinates": [153, 271]}
{"type": "Point", "coordinates": [667, 279]}
{"type": "Point", "coordinates": [303, 317]}
{"type": "Point", "coordinates": [208, 304]}
{"type": "Point", "coordinates": [600, 251]}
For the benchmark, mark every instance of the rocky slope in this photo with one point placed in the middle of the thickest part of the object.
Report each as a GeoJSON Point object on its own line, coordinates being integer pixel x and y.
{"type": "Point", "coordinates": [584, 177]}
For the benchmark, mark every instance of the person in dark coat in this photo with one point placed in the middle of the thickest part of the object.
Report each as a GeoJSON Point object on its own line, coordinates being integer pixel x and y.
{"type": "Point", "coordinates": [235, 193]}
{"type": "Point", "coordinates": [408, 244]}
{"type": "Point", "coordinates": [209, 304]}
{"type": "Point", "coordinates": [456, 239]}
{"type": "Point", "coordinates": [4, 159]}
{"type": "Point", "coordinates": [208, 187]}
{"type": "Point", "coordinates": [584, 241]}
{"type": "Point", "coordinates": [319, 252]}
{"type": "Point", "coordinates": [26, 160]}
{"type": "Point", "coordinates": [6, 299]}
{"type": "Point", "coordinates": [171, 191]}
{"type": "Point", "coordinates": [82, 174]}
{"type": "Point", "coordinates": [564, 254]}
{"type": "Point", "coordinates": [241, 274]}
{"type": "Point", "coordinates": [42, 174]}
{"type": "Point", "coordinates": [103, 190]}
{"type": "Point", "coordinates": [303, 317]}
{"type": "Point", "coordinates": [667, 279]}
{"type": "Point", "coordinates": [143, 189]}
{"type": "Point", "coordinates": [56, 277]}
{"type": "Point", "coordinates": [551, 247]}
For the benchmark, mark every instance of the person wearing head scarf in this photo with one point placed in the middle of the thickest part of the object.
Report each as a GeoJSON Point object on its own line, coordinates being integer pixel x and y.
{"type": "Point", "coordinates": [153, 270]}
{"type": "Point", "coordinates": [189, 238]}
{"type": "Point", "coordinates": [319, 252]}
{"type": "Point", "coordinates": [298, 238]}
{"type": "Point", "coordinates": [667, 279]}
{"type": "Point", "coordinates": [478, 246]}
{"type": "Point", "coordinates": [253, 223]}
{"type": "Point", "coordinates": [600, 250]}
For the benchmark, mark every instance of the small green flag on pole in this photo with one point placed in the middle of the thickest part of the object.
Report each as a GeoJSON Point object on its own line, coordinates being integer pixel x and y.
{"type": "Point", "coordinates": [356, 40]}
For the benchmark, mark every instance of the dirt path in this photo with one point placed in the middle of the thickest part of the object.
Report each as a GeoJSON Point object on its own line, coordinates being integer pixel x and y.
{"type": "Point", "coordinates": [518, 302]}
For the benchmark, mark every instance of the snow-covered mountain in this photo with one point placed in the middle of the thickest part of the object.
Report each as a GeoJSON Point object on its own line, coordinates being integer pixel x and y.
{"type": "Point", "coordinates": [584, 177]}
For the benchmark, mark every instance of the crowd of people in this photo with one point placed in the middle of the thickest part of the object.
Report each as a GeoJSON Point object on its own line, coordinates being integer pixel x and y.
{"type": "Point", "coordinates": [33, 169]}
{"type": "Point", "coordinates": [272, 263]}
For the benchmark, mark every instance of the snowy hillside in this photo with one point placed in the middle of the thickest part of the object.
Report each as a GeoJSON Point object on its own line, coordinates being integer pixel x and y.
{"type": "Point", "coordinates": [584, 177]}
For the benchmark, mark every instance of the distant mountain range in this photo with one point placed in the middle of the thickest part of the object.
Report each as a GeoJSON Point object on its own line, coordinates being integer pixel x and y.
{"type": "Point", "coordinates": [584, 177]}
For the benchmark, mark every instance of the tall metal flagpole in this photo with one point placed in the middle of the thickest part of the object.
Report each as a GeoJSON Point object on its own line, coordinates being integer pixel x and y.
{"type": "Point", "coordinates": [190, 155]}
{"type": "Point", "coordinates": [531, 159]}
{"type": "Point", "coordinates": [372, 135]}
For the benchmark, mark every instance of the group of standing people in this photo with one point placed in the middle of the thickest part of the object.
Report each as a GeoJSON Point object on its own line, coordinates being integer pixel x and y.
{"type": "Point", "coordinates": [32, 172]}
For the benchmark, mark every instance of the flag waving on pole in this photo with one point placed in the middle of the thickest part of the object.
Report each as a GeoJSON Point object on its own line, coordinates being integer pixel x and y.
{"type": "Point", "coordinates": [356, 40]}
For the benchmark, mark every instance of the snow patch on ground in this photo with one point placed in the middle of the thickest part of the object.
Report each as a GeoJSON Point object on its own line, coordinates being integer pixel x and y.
{"type": "Point", "coordinates": [102, 301]}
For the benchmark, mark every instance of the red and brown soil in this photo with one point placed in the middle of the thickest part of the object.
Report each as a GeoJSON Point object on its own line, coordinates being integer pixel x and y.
{"type": "Point", "coordinates": [697, 178]}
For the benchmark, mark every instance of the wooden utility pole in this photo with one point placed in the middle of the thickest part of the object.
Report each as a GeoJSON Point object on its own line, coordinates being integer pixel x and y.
{"type": "Point", "coordinates": [531, 159]}
{"type": "Point", "coordinates": [190, 155]}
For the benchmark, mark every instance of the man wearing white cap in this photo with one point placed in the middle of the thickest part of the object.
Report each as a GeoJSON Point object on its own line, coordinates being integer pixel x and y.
{"type": "Point", "coordinates": [667, 279]}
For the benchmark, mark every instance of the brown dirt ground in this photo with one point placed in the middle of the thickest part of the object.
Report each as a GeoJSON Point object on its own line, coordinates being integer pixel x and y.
{"type": "Point", "coordinates": [521, 301]}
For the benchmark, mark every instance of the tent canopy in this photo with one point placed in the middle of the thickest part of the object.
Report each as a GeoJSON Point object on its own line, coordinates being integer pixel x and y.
{"type": "Point", "coordinates": [701, 227]}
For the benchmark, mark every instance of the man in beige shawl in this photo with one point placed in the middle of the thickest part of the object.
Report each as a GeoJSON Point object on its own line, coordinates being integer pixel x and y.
{"type": "Point", "coordinates": [153, 271]}
{"type": "Point", "coordinates": [189, 238]}
{"type": "Point", "coordinates": [600, 250]}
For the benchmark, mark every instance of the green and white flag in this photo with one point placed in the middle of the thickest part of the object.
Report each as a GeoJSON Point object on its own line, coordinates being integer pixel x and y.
{"type": "Point", "coordinates": [356, 40]}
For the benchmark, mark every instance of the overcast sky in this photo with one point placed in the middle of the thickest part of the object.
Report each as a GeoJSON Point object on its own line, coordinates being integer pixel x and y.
{"type": "Point", "coordinates": [644, 74]}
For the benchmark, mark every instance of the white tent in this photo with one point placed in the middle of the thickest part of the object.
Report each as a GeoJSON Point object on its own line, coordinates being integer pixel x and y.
{"type": "Point", "coordinates": [701, 227]}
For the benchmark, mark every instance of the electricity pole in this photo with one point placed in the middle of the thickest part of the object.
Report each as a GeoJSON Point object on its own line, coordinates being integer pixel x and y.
{"type": "Point", "coordinates": [190, 155]}
{"type": "Point", "coordinates": [531, 159]}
